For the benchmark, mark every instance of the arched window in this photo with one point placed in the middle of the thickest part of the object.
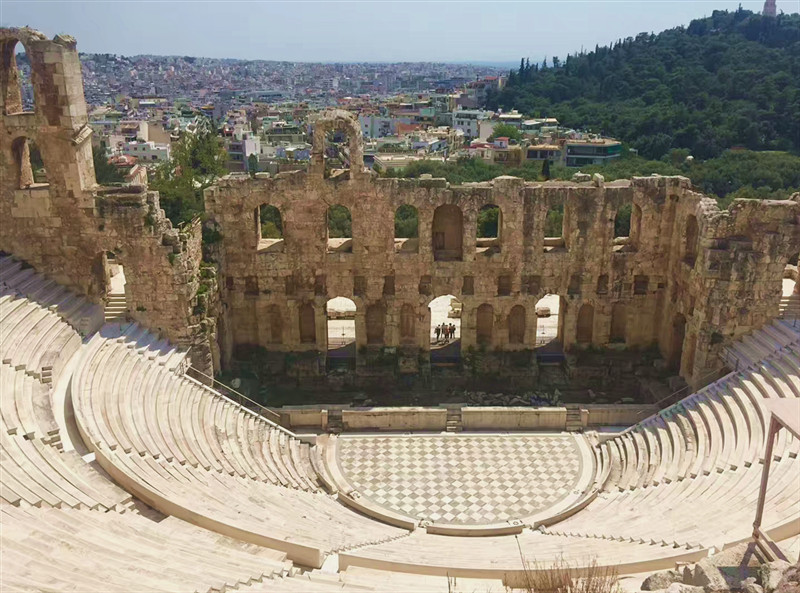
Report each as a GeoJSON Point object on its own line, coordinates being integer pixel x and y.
{"type": "Point", "coordinates": [619, 323]}
{"type": "Point", "coordinates": [408, 323]}
{"type": "Point", "coordinates": [622, 222]}
{"type": "Point", "coordinates": [636, 225]}
{"type": "Point", "coordinates": [22, 162]}
{"type": "Point", "coordinates": [485, 324]}
{"type": "Point", "coordinates": [690, 242]}
{"type": "Point", "coordinates": [516, 325]}
{"type": "Point", "coordinates": [308, 324]}
{"type": "Point", "coordinates": [489, 225]}
{"type": "Point", "coordinates": [340, 231]}
{"type": "Point", "coordinates": [585, 330]}
{"type": "Point", "coordinates": [375, 318]}
{"type": "Point", "coordinates": [406, 229]}
{"type": "Point", "coordinates": [448, 233]}
{"type": "Point", "coordinates": [17, 86]}
{"type": "Point", "coordinates": [275, 318]}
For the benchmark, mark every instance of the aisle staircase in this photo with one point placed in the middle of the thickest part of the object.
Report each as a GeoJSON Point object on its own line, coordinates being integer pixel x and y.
{"type": "Point", "coordinates": [116, 307]}
{"type": "Point", "coordinates": [790, 306]}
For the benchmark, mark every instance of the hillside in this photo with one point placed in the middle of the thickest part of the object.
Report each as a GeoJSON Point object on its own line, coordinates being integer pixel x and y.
{"type": "Point", "coordinates": [732, 79]}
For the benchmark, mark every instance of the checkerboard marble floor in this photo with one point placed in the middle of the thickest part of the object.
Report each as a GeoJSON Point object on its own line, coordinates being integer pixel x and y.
{"type": "Point", "coordinates": [462, 479]}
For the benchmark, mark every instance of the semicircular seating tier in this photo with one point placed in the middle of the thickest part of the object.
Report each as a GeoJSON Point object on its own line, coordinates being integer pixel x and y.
{"type": "Point", "coordinates": [237, 500]}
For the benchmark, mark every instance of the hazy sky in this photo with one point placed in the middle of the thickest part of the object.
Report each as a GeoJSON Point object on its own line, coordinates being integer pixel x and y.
{"type": "Point", "coordinates": [378, 30]}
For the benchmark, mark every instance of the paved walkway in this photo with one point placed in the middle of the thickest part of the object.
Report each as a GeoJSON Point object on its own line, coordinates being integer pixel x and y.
{"type": "Point", "coordinates": [464, 479]}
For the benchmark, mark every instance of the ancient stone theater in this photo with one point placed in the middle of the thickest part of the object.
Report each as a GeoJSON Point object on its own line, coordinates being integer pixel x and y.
{"type": "Point", "coordinates": [126, 467]}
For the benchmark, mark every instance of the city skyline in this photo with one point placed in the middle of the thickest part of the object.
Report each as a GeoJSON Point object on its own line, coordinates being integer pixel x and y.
{"type": "Point", "coordinates": [474, 33]}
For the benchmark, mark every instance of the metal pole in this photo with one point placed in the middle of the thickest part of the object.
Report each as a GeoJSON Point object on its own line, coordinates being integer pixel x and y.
{"type": "Point", "coordinates": [774, 427]}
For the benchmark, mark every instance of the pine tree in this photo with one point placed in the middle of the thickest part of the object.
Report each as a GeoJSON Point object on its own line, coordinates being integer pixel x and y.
{"type": "Point", "coordinates": [546, 169]}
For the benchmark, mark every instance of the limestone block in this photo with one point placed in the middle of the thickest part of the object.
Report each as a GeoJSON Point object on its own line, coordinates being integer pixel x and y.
{"type": "Point", "coordinates": [706, 575]}
{"type": "Point", "coordinates": [662, 580]}
{"type": "Point", "coordinates": [771, 574]}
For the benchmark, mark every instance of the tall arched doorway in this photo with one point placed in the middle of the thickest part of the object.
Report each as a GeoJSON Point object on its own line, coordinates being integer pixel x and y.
{"type": "Point", "coordinates": [585, 329]}
{"type": "Point", "coordinates": [341, 329]}
{"type": "Point", "coordinates": [516, 325]}
{"type": "Point", "coordinates": [445, 333]}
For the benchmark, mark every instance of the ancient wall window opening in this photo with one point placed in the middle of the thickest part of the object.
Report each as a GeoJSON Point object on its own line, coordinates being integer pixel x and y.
{"type": "Point", "coordinates": [341, 329]}
{"type": "Point", "coordinates": [489, 227]}
{"type": "Point", "coordinates": [623, 234]}
{"type": "Point", "coordinates": [585, 326]}
{"type": "Point", "coordinates": [504, 285]}
{"type": "Point", "coordinates": [554, 229]}
{"type": "Point", "coordinates": [690, 237]}
{"type": "Point", "coordinates": [549, 322]}
{"type": "Point", "coordinates": [448, 233]}
{"type": "Point", "coordinates": [406, 229]}
{"type": "Point", "coordinates": [28, 164]}
{"type": "Point", "coordinates": [619, 324]}
{"type": "Point", "coordinates": [269, 228]}
{"type": "Point", "coordinates": [336, 154]}
{"type": "Point", "coordinates": [790, 276]}
{"type": "Point", "coordinates": [340, 229]}
{"type": "Point", "coordinates": [445, 330]}
{"type": "Point", "coordinates": [17, 81]}
{"type": "Point", "coordinates": [516, 325]}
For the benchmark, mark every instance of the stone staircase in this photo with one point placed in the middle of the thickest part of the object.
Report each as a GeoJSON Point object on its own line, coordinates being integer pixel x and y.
{"type": "Point", "coordinates": [574, 423]}
{"type": "Point", "coordinates": [335, 423]}
{"type": "Point", "coordinates": [116, 307]}
{"type": "Point", "coordinates": [790, 306]}
{"type": "Point", "coordinates": [453, 420]}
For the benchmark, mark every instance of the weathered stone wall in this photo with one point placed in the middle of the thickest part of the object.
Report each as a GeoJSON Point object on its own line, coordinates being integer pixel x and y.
{"type": "Point", "coordinates": [66, 226]}
{"type": "Point", "coordinates": [685, 299]}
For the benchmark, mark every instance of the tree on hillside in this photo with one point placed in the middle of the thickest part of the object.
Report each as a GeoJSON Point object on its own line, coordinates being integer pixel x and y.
{"type": "Point", "coordinates": [546, 169]}
{"type": "Point", "coordinates": [732, 79]}
{"type": "Point", "coordinates": [104, 172]}
{"type": "Point", "coordinates": [197, 160]}
{"type": "Point", "coordinates": [506, 131]}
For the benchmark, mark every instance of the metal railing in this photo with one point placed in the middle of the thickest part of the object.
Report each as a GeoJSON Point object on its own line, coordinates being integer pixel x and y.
{"type": "Point", "coordinates": [234, 395]}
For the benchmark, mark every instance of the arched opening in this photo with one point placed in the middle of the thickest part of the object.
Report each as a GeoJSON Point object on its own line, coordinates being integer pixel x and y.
{"type": "Point", "coordinates": [554, 228]}
{"type": "Point", "coordinates": [408, 324]}
{"type": "Point", "coordinates": [790, 277]}
{"type": "Point", "coordinates": [340, 229]}
{"type": "Point", "coordinates": [406, 229]}
{"type": "Point", "coordinates": [448, 233]}
{"type": "Point", "coordinates": [275, 320]}
{"type": "Point", "coordinates": [619, 324]}
{"type": "Point", "coordinates": [484, 324]}
{"type": "Point", "coordinates": [445, 335]}
{"type": "Point", "coordinates": [548, 321]}
{"type": "Point", "coordinates": [690, 241]}
{"type": "Point", "coordinates": [16, 78]}
{"type": "Point", "coordinates": [28, 163]}
{"type": "Point", "coordinates": [585, 330]}
{"type": "Point", "coordinates": [622, 222]}
{"type": "Point", "coordinates": [269, 227]}
{"type": "Point", "coordinates": [308, 324]}
{"type": "Point", "coordinates": [341, 327]}
{"type": "Point", "coordinates": [489, 225]}
{"type": "Point", "coordinates": [636, 225]}
{"type": "Point", "coordinates": [336, 154]}
{"type": "Point", "coordinates": [375, 321]}
{"type": "Point", "coordinates": [516, 325]}
{"type": "Point", "coordinates": [678, 336]}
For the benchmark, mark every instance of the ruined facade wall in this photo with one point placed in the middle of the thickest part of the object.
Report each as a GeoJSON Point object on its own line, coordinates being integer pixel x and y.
{"type": "Point", "coordinates": [63, 227]}
{"type": "Point", "coordinates": [737, 262]}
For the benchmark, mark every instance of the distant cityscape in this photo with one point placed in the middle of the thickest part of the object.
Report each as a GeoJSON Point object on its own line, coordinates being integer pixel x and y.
{"type": "Point", "coordinates": [141, 105]}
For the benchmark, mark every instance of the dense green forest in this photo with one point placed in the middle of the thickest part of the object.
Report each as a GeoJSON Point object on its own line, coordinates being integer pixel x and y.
{"type": "Point", "coordinates": [732, 79]}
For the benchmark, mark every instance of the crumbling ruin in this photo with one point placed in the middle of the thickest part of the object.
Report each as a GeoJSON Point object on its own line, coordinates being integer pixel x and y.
{"type": "Point", "coordinates": [688, 278]}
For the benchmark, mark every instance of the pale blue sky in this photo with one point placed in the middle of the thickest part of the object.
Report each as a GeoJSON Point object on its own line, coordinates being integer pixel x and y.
{"type": "Point", "coordinates": [379, 30]}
